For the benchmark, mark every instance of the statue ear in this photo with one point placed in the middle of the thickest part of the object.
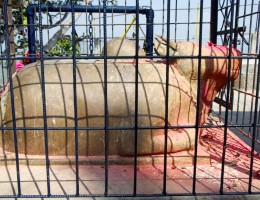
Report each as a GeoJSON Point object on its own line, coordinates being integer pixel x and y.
{"type": "Point", "coordinates": [160, 47]}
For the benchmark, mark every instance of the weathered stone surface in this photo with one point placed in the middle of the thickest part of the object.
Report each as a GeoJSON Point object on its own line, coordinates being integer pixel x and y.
{"type": "Point", "coordinates": [121, 103]}
{"type": "Point", "coordinates": [90, 103]}
{"type": "Point", "coordinates": [122, 47]}
{"type": "Point", "coordinates": [214, 70]}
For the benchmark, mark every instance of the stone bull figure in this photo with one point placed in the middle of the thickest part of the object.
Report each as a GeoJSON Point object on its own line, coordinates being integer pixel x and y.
{"type": "Point", "coordinates": [182, 102]}
{"type": "Point", "coordinates": [122, 47]}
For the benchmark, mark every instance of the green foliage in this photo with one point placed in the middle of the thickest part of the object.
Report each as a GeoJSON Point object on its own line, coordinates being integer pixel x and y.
{"type": "Point", "coordinates": [64, 47]}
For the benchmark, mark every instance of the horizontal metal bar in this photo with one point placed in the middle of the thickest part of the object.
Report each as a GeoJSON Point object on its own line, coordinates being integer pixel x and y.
{"type": "Point", "coordinates": [250, 14]}
{"type": "Point", "coordinates": [32, 8]}
{"type": "Point", "coordinates": [130, 128]}
{"type": "Point", "coordinates": [225, 7]}
{"type": "Point", "coordinates": [223, 103]}
{"type": "Point", "coordinates": [247, 134]}
{"type": "Point", "coordinates": [244, 92]}
{"type": "Point", "coordinates": [129, 195]}
{"type": "Point", "coordinates": [227, 31]}
{"type": "Point", "coordinates": [131, 57]}
{"type": "Point", "coordinates": [114, 24]}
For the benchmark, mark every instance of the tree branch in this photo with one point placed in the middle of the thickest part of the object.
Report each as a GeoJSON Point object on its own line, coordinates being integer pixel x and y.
{"type": "Point", "coordinates": [59, 34]}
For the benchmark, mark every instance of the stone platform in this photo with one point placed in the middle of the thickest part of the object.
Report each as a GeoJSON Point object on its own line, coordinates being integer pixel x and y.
{"type": "Point", "coordinates": [184, 158]}
{"type": "Point", "coordinates": [149, 172]}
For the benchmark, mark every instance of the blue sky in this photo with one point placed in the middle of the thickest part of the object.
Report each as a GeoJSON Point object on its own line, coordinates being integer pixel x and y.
{"type": "Point", "coordinates": [157, 5]}
{"type": "Point", "coordinates": [182, 31]}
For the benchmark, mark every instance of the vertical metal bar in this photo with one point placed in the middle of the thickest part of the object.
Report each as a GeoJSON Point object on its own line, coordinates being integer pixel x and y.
{"type": "Point", "coordinates": [257, 41]}
{"type": "Point", "coordinates": [188, 31]}
{"type": "Point", "coordinates": [234, 42]}
{"type": "Point", "coordinates": [99, 24]}
{"type": "Point", "coordinates": [227, 100]}
{"type": "Point", "coordinates": [258, 17]}
{"type": "Point", "coordinates": [149, 32]}
{"type": "Point", "coordinates": [23, 28]}
{"type": "Point", "coordinates": [31, 33]}
{"type": "Point", "coordinates": [87, 36]}
{"type": "Point", "coordinates": [75, 94]}
{"type": "Point", "coordinates": [105, 95]}
{"type": "Point", "coordinates": [255, 114]}
{"type": "Point", "coordinates": [235, 46]}
{"type": "Point", "coordinates": [136, 94]}
{"type": "Point", "coordinates": [226, 39]}
{"type": "Point", "coordinates": [236, 23]}
{"type": "Point", "coordinates": [197, 123]}
{"type": "Point", "coordinates": [112, 20]}
{"type": "Point", "coordinates": [247, 66]}
{"type": "Point", "coordinates": [2, 67]}
{"type": "Point", "coordinates": [163, 18]}
{"type": "Point", "coordinates": [9, 70]}
{"type": "Point", "coordinates": [48, 29]}
{"type": "Point", "coordinates": [166, 98]}
{"type": "Point", "coordinates": [242, 50]}
{"type": "Point", "coordinates": [44, 102]}
{"type": "Point", "coordinates": [125, 17]}
{"type": "Point", "coordinates": [253, 87]}
{"type": "Point", "coordinates": [176, 16]}
{"type": "Point", "coordinates": [11, 35]}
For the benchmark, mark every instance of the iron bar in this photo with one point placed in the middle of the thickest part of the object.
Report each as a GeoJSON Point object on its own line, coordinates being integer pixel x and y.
{"type": "Point", "coordinates": [230, 28]}
{"type": "Point", "coordinates": [131, 57]}
{"type": "Point", "coordinates": [188, 31]}
{"type": "Point", "coordinates": [227, 99]}
{"type": "Point", "coordinates": [9, 70]}
{"type": "Point", "coordinates": [166, 116]}
{"type": "Point", "coordinates": [175, 20]}
{"type": "Point", "coordinates": [105, 96]}
{"type": "Point", "coordinates": [213, 194]}
{"type": "Point", "coordinates": [75, 94]}
{"type": "Point", "coordinates": [247, 93]}
{"type": "Point", "coordinates": [197, 122]}
{"type": "Point", "coordinates": [128, 128]}
{"type": "Point", "coordinates": [247, 134]}
{"type": "Point", "coordinates": [255, 119]}
{"type": "Point", "coordinates": [99, 20]}
{"type": "Point", "coordinates": [236, 30]}
{"type": "Point", "coordinates": [136, 96]}
{"type": "Point", "coordinates": [214, 21]}
{"type": "Point", "coordinates": [163, 17]}
{"type": "Point", "coordinates": [122, 24]}
{"type": "Point", "coordinates": [31, 9]}
{"type": "Point", "coordinates": [2, 67]}
{"type": "Point", "coordinates": [247, 68]}
{"type": "Point", "coordinates": [253, 87]}
{"type": "Point", "coordinates": [251, 13]}
{"type": "Point", "coordinates": [44, 103]}
{"type": "Point", "coordinates": [240, 75]}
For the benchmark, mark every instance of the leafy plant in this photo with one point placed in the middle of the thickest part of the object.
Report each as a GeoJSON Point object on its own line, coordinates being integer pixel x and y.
{"type": "Point", "coordinates": [64, 47]}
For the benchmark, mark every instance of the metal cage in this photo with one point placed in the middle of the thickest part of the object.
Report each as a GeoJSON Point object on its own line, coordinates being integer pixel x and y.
{"type": "Point", "coordinates": [227, 163]}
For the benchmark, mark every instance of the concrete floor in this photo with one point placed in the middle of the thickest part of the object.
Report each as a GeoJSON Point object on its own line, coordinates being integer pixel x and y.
{"type": "Point", "coordinates": [149, 175]}
{"type": "Point", "coordinates": [242, 114]}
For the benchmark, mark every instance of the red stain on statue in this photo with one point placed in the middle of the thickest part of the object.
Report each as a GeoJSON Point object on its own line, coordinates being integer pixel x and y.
{"type": "Point", "coordinates": [19, 65]}
{"type": "Point", "coordinates": [220, 68]}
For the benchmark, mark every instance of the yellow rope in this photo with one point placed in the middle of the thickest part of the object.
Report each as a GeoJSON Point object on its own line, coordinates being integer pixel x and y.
{"type": "Point", "coordinates": [128, 27]}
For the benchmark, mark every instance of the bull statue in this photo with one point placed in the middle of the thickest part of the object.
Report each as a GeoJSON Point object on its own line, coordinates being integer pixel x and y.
{"type": "Point", "coordinates": [182, 102]}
